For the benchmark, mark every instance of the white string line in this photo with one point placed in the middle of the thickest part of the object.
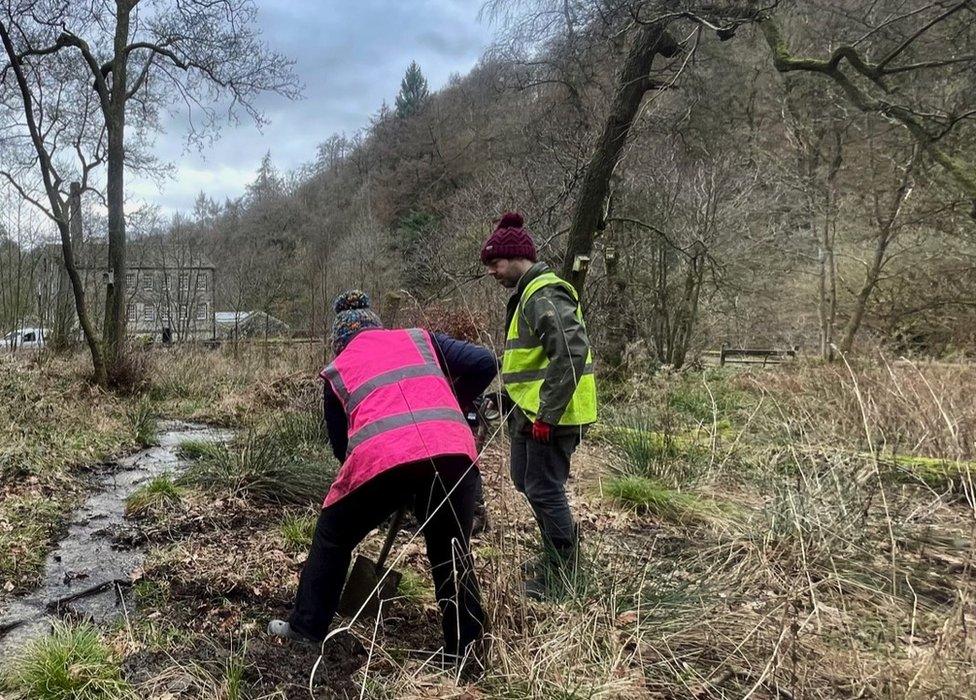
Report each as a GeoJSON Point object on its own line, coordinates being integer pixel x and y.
{"type": "Point", "coordinates": [352, 620]}
{"type": "Point", "coordinates": [430, 495]}
{"type": "Point", "coordinates": [446, 499]}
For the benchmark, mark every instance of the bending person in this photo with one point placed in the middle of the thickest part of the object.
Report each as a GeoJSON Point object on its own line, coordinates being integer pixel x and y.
{"type": "Point", "coordinates": [402, 440]}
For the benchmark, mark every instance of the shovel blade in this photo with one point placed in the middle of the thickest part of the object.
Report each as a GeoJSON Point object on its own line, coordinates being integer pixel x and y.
{"type": "Point", "coordinates": [363, 586]}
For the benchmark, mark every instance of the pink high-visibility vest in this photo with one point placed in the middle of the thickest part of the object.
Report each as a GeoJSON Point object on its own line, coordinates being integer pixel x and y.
{"type": "Point", "coordinates": [400, 406]}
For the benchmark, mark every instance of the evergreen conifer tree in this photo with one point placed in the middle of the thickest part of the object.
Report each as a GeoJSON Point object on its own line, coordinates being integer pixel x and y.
{"type": "Point", "coordinates": [413, 92]}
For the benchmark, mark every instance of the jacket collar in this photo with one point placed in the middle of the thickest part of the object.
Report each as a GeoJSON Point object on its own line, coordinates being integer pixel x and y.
{"type": "Point", "coordinates": [539, 268]}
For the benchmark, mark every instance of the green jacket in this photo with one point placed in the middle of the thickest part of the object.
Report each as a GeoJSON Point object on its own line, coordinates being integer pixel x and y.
{"type": "Point", "coordinates": [550, 314]}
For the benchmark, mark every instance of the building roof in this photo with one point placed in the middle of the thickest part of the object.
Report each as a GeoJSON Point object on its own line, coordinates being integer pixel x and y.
{"type": "Point", "coordinates": [231, 318]}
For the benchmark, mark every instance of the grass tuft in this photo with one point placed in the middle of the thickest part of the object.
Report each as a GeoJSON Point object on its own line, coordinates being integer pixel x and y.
{"type": "Point", "coordinates": [664, 457]}
{"type": "Point", "coordinates": [298, 530]}
{"type": "Point", "coordinates": [156, 495]}
{"type": "Point", "coordinates": [414, 588]}
{"type": "Point", "coordinates": [234, 686]}
{"type": "Point", "coordinates": [194, 449]}
{"type": "Point", "coordinates": [72, 664]}
{"type": "Point", "coordinates": [143, 419]}
{"type": "Point", "coordinates": [261, 468]}
{"type": "Point", "coordinates": [646, 496]}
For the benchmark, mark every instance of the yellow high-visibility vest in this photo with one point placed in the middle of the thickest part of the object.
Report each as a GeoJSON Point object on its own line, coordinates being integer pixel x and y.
{"type": "Point", "coordinates": [525, 362]}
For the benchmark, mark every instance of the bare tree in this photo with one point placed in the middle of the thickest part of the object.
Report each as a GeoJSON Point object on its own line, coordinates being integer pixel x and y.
{"type": "Point", "coordinates": [125, 63]}
{"type": "Point", "coordinates": [879, 70]}
{"type": "Point", "coordinates": [886, 218]}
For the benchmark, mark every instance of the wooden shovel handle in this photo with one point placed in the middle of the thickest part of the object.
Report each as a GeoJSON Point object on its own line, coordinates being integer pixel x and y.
{"type": "Point", "coordinates": [390, 537]}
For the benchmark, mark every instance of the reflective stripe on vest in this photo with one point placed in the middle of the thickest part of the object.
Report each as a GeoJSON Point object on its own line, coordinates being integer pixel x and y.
{"type": "Point", "coordinates": [399, 405]}
{"type": "Point", "coordinates": [350, 401]}
{"type": "Point", "coordinates": [525, 363]}
{"type": "Point", "coordinates": [402, 420]}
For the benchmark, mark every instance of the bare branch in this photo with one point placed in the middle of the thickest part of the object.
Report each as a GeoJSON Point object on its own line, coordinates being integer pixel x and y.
{"type": "Point", "coordinates": [924, 28]}
{"type": "Point", "coordinates": [26, 196]}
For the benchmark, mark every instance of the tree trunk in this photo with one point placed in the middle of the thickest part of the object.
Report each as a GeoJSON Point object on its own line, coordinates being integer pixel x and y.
{"type": "Point", "coordinates": [632, 83]}
{"type": "Point", "coordinates": [689, 305]}
{"type": "Point", "coordinates": [871, 275]}
{"type": "Point", "coordinates": [64, 313]}
{"type": "Point", "coordinates": [827, 288]}
{"type": "Point", "coordinates": [115, 194]}
{"type": "Point", "coordinates": [617, 326]}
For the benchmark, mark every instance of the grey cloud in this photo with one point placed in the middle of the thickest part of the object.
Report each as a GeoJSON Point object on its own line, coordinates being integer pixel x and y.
{"type": "Point", "coordinates": [351, 57]}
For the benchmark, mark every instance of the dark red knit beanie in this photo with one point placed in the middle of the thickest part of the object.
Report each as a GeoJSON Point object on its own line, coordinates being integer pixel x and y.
{"type": "Point", "coordinates": [509, 240]}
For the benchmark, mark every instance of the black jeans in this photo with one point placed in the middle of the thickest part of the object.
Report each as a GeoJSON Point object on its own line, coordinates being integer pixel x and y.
{"type": "Point", "coordinates": [345, 523]}
{"type": "Point", "coordinates": [540, 472]}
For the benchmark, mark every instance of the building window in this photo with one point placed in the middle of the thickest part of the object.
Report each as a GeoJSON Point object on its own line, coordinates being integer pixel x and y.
{"type": "Point", "coordinates": [130, 280]}
{"type": "Point", "coordinates": [147, 281]}
{"type": "Point", "coordinates": [184, 281]}
{"type": "Point", "coordinates": [202, 282]}
{"type": "Point", "coordinates": [202, 312]}
{"type": "Point", "coordinates": [184, 312]}
{"type": "Point", "coordinates": [149, 313]}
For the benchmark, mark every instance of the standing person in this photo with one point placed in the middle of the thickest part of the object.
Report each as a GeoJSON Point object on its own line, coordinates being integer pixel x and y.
{"type": "Point", "coordinates": [396, 427]}
{"type": "Point", "coordinates": [547, 371]}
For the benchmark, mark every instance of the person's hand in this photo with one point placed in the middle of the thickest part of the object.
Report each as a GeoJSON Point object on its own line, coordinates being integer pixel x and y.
{"type": "Point", "coordinates": [541, 432]}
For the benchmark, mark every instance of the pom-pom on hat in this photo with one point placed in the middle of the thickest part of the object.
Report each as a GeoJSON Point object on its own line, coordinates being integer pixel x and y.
{"type": "Point", "coordinates": [353, 315]}
{"type": "Point", "coordinates": [510, 239]}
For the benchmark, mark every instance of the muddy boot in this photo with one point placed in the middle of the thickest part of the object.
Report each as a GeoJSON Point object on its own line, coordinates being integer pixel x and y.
{"type": "Point", "coordinates": [281, 628]}
{"type": "Point", "coordinates": [554, 571]}
{"type": "Point", "coordinates": [480, 524]}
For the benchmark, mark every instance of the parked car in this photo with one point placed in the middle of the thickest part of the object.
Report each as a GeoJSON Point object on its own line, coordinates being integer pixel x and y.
{"type": "Point", "coordinates": [25, 339]}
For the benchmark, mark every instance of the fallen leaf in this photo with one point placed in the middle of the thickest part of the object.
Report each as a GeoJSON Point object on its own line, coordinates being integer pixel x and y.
{"type": "Point", "coordinates": [627, 618]}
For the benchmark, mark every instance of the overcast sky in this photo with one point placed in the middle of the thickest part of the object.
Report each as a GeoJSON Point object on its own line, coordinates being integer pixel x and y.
{"type": "Point", "coordinates": [351, 56]}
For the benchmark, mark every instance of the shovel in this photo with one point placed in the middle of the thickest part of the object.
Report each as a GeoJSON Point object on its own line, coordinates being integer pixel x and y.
{"type": "Point", "coordinates": [363, 584]}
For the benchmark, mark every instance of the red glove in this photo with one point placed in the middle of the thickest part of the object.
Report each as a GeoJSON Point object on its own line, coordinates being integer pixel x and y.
{"type": "Point", "coordinates": [541, 432]}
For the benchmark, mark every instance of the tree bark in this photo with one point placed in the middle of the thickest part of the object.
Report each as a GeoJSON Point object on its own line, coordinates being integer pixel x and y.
{"type": "Point", "coordinates": [886, 232]}
{"type": "Point", "coordinates": [632, 84]}
{"type": "Point", "coordinates": [114, 333]}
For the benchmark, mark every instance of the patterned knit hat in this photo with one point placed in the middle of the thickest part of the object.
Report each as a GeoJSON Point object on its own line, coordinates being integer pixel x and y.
{"type": "Point", "coordinates": [509, 240]}
{"type": "Point", "coordinates": [352, 315]}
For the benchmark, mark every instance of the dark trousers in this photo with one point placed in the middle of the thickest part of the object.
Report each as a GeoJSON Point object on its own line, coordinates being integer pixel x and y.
{"type": "Point", "coordinates": [540, 472]}
{"type": "Point", "coordinates": [345, 523]}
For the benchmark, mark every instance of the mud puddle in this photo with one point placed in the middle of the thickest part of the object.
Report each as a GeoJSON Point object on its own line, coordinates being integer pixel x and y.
{"type": "Point", "coordinates": [88, 574]}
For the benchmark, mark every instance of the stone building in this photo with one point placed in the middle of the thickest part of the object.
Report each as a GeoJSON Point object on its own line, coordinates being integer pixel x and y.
{"type": "Point", "coordinates": [169, 288]}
